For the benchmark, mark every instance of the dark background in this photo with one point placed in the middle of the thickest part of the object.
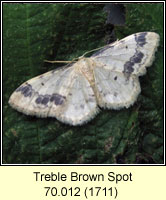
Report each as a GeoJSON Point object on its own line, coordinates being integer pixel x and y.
{"type": "Point", "coordinates": [34, 32]}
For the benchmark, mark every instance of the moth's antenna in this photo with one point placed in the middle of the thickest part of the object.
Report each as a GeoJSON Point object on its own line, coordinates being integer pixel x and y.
{"type": "Point", "coordinates": [59, 61]}
{"type": "Point", "coordinates": [74, 59]}
{"type": "Point", "coordinates": [91, 51]}
{"type": "Point", "coordinates": [62, 61]}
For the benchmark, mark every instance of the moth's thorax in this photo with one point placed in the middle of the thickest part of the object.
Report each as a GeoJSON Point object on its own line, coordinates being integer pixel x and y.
{"type": "Point", "coordinates": [85, 66]}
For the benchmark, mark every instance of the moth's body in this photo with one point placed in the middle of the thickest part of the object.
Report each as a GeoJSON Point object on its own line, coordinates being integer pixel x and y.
{"type": "Point", "coordinates": [107, 79]}
{"type": "Point", "coordinates": [86, 67]}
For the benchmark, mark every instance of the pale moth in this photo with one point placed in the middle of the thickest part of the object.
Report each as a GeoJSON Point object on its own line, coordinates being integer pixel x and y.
{"type": "Point", "coordinates": [108, 79]}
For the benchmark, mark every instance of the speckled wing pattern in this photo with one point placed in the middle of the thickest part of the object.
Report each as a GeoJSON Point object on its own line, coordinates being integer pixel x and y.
{"type": "Point", "coordinates": [64, 93]}
{"type": "Point", "coordinates": [108, 79]}
{"type": "Point", "coordinates": [118, 67]}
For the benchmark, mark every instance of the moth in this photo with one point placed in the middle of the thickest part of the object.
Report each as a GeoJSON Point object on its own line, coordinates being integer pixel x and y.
{"type": "Point", "coordinates": [108, 79]}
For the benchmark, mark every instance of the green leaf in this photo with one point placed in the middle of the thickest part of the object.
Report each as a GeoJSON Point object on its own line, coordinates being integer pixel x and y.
{"type": "Point", "coordinates": [34, 32]}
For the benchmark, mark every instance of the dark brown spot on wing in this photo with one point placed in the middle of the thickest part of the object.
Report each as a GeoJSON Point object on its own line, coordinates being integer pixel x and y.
{"type": "Point", "coordinates": [115, 78]}
{"type": "Point", "coordinates": [45, 100]}
{"type": "Point", "coordinates": [136, 58]}
{"type": "Point", "coordinates": [141, 39]}
{"type": "Point", "coordinates": [25, 90]}
{"type": "Point", "coordinates": [39, 99]}
{"type": "Point", "coordinates": [57, 99]}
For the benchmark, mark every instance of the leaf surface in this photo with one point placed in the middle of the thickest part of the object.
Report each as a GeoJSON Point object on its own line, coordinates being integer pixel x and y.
{"type": "Point", "coordinates": [34, 32]}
